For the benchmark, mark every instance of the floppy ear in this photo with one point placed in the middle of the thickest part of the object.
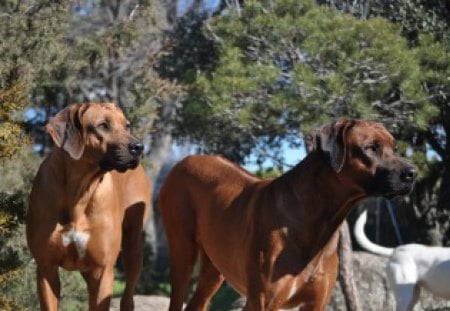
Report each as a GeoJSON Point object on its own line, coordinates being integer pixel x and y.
{"type": "Point", "coordinates": [330, 139]}
{"type": "Point", "coordinates": [65, 130]}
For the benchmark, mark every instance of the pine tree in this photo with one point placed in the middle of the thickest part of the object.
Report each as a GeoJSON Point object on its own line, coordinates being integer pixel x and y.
{"type": "Point", "coordinates": [31, 50]}
{"type": "Point", "coordinates": [286, 66]}
{"type": "Point", "coordinates": [12, 207]}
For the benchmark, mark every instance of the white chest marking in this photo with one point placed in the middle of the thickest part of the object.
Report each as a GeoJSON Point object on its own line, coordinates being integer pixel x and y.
{"type": "Point", "coordinates": [80, 239]}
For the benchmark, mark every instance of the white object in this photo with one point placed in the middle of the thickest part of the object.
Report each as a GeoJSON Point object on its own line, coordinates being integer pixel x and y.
{"type": "Point", "coordinates": [410, 267]}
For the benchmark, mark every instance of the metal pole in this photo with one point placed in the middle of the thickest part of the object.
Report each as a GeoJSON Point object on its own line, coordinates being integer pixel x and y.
{"type": "Point", "coordinates": [377, 221]}
{"type": "Point", "coordinates": [394, 222]}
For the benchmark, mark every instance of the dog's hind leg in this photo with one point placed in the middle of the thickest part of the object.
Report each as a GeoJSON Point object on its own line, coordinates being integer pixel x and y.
{"type": "Point", "coordinates": [179, 226]}
{"type": "Point", "coordinates": [183, 255]}
{"type": "Point", "coordinates": [406, 296]}
{"type": "Point", "coordinates": [209, 282]}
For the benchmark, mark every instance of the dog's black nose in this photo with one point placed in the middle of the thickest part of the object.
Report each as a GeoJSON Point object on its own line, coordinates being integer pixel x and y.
{"type": "Point", "coordinates": [408, 174]}
{"type": "Point", "coordinates": [136, 148]}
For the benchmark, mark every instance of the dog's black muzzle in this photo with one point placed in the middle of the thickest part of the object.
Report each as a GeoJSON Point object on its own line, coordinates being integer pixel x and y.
{"type": "Point", "coordinates": [122, 157]}
{"type": "Point", "coordinates": [392, 181]}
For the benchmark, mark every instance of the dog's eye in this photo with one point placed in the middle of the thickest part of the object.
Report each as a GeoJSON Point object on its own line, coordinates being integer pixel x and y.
{"type": "Point", "coordinates": [104, 126]}
{"type": "Point", "coordinates": [372, 148]}
{"type": "Point", "coordinates": [128, 126]}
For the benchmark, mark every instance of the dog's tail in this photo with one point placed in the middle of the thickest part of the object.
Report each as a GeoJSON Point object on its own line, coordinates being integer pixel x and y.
{"type": "Point", "coordinates": [364, 241]}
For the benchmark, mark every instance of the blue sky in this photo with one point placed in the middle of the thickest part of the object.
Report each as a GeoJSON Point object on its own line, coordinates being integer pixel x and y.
{"type": "Point", "coordinates": [207, 5]}
{"type": "Point", "coordinates": [291, 157]}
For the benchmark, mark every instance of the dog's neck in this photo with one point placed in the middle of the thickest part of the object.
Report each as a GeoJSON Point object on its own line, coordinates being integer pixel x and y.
{"type": "Point", "coordinates": [78, 182]}
{"type": "Point", "coordinates": [331, 197]}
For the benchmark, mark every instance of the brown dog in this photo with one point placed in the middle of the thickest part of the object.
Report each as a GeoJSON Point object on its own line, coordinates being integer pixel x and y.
{"type": "Point", "coordinates": [89, 198]}
{"type": "Point", "coordinates": [275, 240]}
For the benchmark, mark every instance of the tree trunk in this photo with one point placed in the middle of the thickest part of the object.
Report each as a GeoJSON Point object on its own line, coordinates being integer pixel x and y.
{"type": "Point", "coordinates": [160, 149]}
{"type": "Point", "coordinates": [346, 279]}
{"type": "Point", "coordinates": [443, 202]}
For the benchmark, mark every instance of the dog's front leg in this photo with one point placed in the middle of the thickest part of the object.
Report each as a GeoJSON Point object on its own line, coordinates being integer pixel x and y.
{"type": "Point", "coordinates": [100, 283]}
{"type": "Point", "coordinates": [255, 302]}
{"type": "Point", "coordinates": [257, 294]}
{"type": "Point", "coordinates": [48, 287]}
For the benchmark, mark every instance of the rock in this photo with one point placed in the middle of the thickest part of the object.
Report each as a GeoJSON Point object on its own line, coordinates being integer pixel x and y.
{"type": "Point", "coordinates": [144, 303]}
{"type": "Point", "coordinates": [370, 278]}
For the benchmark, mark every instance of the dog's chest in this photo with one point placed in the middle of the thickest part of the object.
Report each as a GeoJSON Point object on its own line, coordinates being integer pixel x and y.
{"type": "Point", "coordinates": [79, 239]}
{"type": "Point", "coordinates": [81, 246]}
{"type": "Point", "coordinates": [71, 248]}
{"type": "Point", "coordinates": [87, 233]}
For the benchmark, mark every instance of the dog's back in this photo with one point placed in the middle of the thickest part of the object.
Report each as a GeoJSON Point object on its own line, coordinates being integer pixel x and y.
{"type": "Point", "coordinates": [220, 182]}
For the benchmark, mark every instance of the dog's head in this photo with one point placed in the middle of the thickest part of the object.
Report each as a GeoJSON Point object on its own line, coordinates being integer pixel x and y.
{"type": "Point", "coordinates": [365, 152]}
{"type": "Point", "coordinates": [96, 132]}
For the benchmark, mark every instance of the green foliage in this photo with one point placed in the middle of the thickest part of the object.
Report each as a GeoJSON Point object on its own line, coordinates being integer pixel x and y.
{"type": "Point", "coordinates": [287, 66]}
{"type": "Point", "coordinates": [224, 299]}
{"type": "Point", "coordinates": [12, 138]}
{"type": "Point", "coordinates": [74, 294]}
{"type": "Point", "coordinates": [115, 57]}
{"type": "Point", "coordinates": [31, 49]}
{"type": "Point", "coordinates": [416, 17]}
{"type": "Point", "coordinates": [118, 287]}
{"type": "Point", "coordinates": [14, 187]}
{"type": "Point", "coordinates": [425, 25]}
{"type": "Point", "coordinates": [12, 200]}
{"type": "Point", "coordinates": [163, 288]}
{"type": "Point", "coordinates": [191, 51]}
{"type": "Point", "coordinates": [33, 58]}
{"type": "Point", "coordinates": [22, 288]}
{"type": "Point", "coordinates": [270, 172]}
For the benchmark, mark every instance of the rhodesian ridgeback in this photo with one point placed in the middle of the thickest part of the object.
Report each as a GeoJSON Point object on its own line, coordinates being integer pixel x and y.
{"type": "Point", "coordinates": [90, 198]}
{"type": "Point", "coordinates": [275, 240]}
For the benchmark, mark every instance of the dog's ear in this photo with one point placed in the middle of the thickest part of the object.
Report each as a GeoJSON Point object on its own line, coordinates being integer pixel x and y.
{"type": "Point", "coordinates": [66, 132]}
{"type": "Point", "coordinates": [331, 139]}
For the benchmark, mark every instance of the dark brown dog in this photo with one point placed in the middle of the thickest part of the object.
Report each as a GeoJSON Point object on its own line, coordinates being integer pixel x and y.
{"type": "Point", "coordinates": [275, 240]}
{"type": "Point", "coordinates": [89, 195]}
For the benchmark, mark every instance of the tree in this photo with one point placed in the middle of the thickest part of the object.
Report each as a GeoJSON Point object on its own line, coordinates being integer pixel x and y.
{"type": "Point", "coordinates": [34, 54]}
{"type": "Point", "coordinates": [31, 51]}
{"type": "Point", "coordinates": [431, 144]}
{"type": "Point", "coordinates": [12, 209]}
{"type": "Point", "coordinates": [425, 26]}
{"type": "Point", "coordinates": [112, 48]}
{"type": "Point", "coordinates": [285, 66]}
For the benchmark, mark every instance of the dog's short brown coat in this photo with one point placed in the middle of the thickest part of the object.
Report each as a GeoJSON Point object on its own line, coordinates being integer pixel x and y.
{"type": "Point", "coordinates": [275, 240]}
{"type": "Point", "coordinates": [89, 198]}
